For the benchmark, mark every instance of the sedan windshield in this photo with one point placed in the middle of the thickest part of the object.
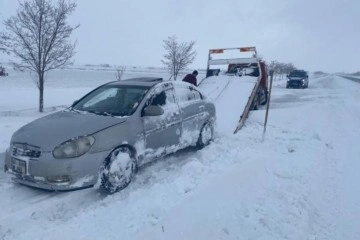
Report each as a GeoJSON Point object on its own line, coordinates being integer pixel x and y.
{"type": "Point", "coordinates": [297, 74]}
{"type": "Point", "coordinates": [112, 100]}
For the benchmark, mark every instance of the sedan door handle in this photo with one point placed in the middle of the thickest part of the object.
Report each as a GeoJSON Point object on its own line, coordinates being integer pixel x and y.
{"type": "Point", "coordinates": [201, 108]}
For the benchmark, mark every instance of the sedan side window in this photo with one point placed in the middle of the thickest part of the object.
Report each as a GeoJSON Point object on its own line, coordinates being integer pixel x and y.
{"type": "Point", "coordinates": [195, 95]}
{"type": "Point", "coordinates": [183, 94]}
{"type": "Point", "coordinates": [159, 99]}
{"type": "Point", "coordinates": [163, 99]}
{"type": "Point", "coordinates": [187, 94]}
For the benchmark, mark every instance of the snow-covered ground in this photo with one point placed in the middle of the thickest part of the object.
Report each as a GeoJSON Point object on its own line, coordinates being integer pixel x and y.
{"type": "Point", "coordinates": [300, 182]}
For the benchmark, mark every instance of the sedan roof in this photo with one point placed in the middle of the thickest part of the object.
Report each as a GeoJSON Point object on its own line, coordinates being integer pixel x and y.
{"type": "Point", "coordinates": [141, 81]}
{"type": "Point", "coordinates": [145, 79]}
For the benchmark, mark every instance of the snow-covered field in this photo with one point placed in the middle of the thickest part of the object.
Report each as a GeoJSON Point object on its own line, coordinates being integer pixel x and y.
{"type": "Point", "coordinates": [301, 182]}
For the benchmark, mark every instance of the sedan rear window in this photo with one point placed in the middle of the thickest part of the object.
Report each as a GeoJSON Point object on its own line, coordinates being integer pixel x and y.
{"type": "Point", "coordinates": [112, 100]}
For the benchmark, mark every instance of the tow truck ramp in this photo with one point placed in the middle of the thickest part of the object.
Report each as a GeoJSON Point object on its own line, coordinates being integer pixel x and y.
{"type": "Point", "coordinates": [241, 87]}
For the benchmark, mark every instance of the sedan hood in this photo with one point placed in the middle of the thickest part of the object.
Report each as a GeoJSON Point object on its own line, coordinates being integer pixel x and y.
{"type": "Point", "coordinates": [54, 129]}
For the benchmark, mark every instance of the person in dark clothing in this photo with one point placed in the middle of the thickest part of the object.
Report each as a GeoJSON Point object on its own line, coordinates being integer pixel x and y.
{"type": "Point", "coordinates": [191, 78]}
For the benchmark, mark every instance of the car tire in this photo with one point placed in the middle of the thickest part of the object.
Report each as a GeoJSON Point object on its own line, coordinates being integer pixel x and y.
{"type": "Point", "coordinates": [206, 135]}
{"type": "Point", "coordinates": [118, 170]}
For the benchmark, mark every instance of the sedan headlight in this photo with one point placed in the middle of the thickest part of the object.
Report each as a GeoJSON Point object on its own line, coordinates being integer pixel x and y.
{"type": "Point", "coordinates": [74, 147]}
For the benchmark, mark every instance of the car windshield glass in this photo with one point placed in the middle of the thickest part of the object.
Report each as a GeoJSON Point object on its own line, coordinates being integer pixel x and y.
{"type": "Point", "coordinates": [297, 74]}
{"type": "Point", "coordinates": [112, 100]}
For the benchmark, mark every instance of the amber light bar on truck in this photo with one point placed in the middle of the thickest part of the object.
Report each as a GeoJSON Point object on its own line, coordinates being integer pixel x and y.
{"type": "Point", "coordinates": [226, 61]}
{"type": "Point", "coordinates": [248, 49]}
{"type": "Point", "coordinates": [242, 49]}
{"type": "Point", "coordinates": [232, 61]}
{"type": "Point", "coordinates": [216, 51]}
{"type": "Point", "coordinates": [253, 59]}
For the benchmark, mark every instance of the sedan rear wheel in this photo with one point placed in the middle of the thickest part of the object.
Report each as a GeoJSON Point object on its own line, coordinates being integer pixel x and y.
{"type": "Point", "coordinates": [119, 169]}
{"type": "Point", "coordinates": [206, 135]}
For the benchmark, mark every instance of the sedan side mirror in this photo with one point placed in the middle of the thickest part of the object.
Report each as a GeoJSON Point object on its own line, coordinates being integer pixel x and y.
{"type": "Point", "coordinates": [152, 110]}
{"type": "Point", "coordinates": [287, 75]}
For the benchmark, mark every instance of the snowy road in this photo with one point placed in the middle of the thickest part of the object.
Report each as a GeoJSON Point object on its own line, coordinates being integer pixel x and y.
{"type": "Point", "coordinates": [352, 77]}
{"type": "Point", "coordinates": [300, 183]}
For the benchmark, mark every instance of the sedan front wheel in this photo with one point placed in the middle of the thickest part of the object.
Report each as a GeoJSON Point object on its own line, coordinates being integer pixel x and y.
{"type": "Point", "coordinates": [118, 171]}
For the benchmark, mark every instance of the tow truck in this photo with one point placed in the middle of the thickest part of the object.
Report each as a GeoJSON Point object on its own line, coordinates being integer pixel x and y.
{"type": "Point", "coordinates": [251, 66]}
{"type": "Point", "coordinates": [250, 75]}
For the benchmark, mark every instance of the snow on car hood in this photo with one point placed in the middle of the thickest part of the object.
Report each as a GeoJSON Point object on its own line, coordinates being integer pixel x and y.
{"type": "Point", "coordinates": [54, 129]}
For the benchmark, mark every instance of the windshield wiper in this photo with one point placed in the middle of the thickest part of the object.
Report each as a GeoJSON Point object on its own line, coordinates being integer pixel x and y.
{"type": "Point", "coordinates": [98, 113]}
{"type": "Point", "coordinates": [121, 114]}
{"type": "Point", "coordinates": [71, 109]}
{"type": "Point", "coordinates": [110, 114]}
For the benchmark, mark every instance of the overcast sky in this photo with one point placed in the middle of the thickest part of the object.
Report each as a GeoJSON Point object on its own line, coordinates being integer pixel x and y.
{"type": "Point", "coordinates": [311, 34]}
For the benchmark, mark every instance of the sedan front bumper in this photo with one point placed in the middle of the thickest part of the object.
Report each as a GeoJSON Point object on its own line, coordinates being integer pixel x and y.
{"type": "Point", "coordinates": [49, 173]}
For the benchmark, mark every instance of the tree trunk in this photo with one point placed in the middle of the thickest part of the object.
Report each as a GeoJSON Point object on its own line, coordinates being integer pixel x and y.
{"type": "Point", "coordinates": [41, 92]}
{"type": "Point", "coordinates": [174, 75]}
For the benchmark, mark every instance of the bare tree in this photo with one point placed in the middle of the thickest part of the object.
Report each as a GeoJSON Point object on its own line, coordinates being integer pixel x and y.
{"type": "Point", "coordinates": [178, 55]}
{"type": "Point", "coordinates": [3, 39]}
{"type": "Point", "coordinates": [281, 68]}
{"type": "Point", "coordinates": [39, 37]}
{"type": "Point", "coordinates": [119, 72]}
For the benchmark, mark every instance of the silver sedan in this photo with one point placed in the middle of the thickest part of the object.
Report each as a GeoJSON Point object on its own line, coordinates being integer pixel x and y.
{"type": "Point", "coordinates": [106, 135]}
